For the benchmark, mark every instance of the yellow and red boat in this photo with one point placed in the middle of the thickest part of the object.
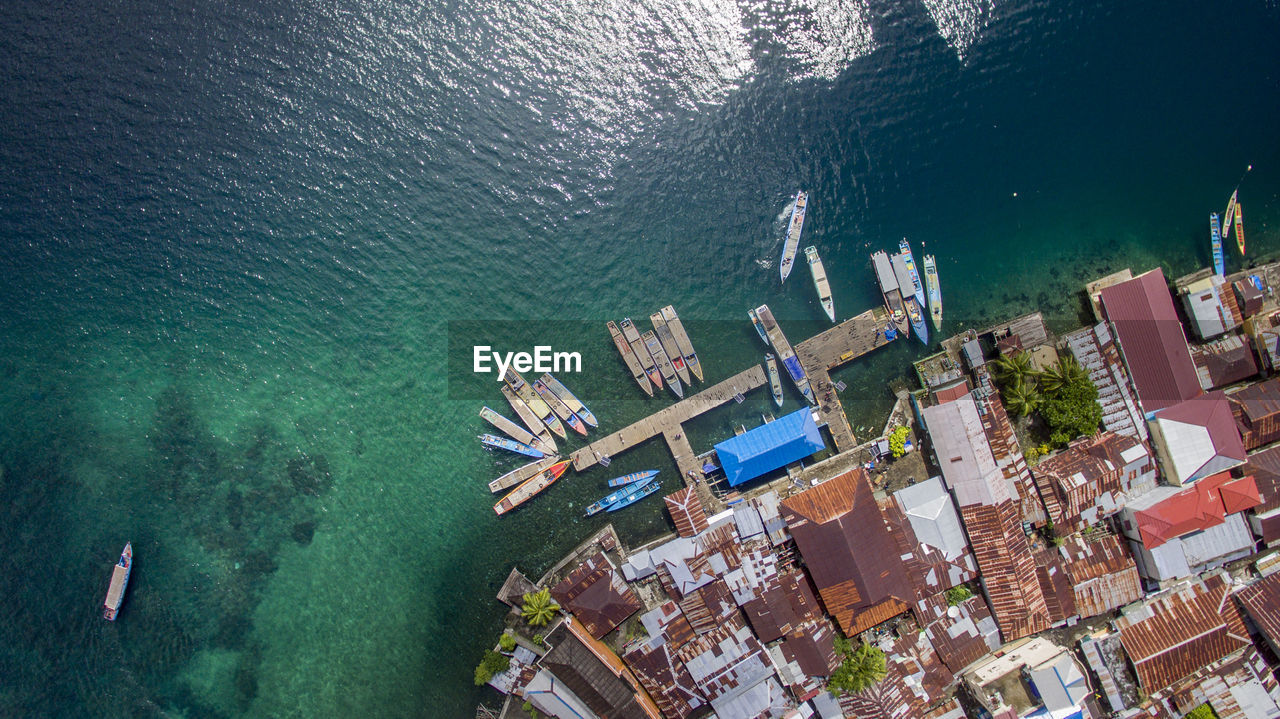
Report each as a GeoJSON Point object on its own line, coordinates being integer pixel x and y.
{"type": "Point", "coordinates": [530, 488]}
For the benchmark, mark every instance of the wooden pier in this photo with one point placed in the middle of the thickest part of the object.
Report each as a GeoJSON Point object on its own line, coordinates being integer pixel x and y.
{"type": "Point", "coordinates": [825, 351]}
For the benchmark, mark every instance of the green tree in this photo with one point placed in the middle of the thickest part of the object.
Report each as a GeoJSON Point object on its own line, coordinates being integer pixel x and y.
{"type": "Point", "coordinates": [1021, 398]}
{"type": "Point", "coordinates": [1066, 372]}
{"type": "Point", "coordinates": [898, 441]}
{"type": "Point", "coordinates": [1012, 369]}
{"type": "Point", "coordinates": [1071, 411]}
{"type": "Point", "coordinates": [491, 664]}
{"type": "Point", "coordinates": [507, 642]}
{"type": "Point", "coordinates": [958, 594]}
{"type": "Point", "coordinates": [1204, 711]}
{"type": "Point", "coordinates": [539, 640]}
{"type": "Point", "coordinates": [861, 668]}
{"type": "Point", "coordinates": [539, 608]}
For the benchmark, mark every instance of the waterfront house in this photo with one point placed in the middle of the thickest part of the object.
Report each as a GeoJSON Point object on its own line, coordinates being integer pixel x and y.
{"type": "Point", "coordinates": [1256, 409]}
{"type": "Point", "coordinates": [1145, 323]}
{"type": "Point", "coordinates": [1095, 349]}
{"type": "Point", "coordinates": [1085, 577]}
{"type": "Point", "coordinates": [1197, 438]}
{"type": "Point", "coordinates": [580, 676]}
{"type": "Point", "coordinates": [1032, 677]}
{"type": "Point", "coordinates": [1264, 519]}
{"type": "Point", "coordinates": [1224, 362]}
{"type": "Point", "coordinates": [597, 595]}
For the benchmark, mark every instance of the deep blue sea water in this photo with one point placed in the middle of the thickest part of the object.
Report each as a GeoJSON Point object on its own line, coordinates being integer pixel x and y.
{"type": "Point", "coordinates": [243, 248]}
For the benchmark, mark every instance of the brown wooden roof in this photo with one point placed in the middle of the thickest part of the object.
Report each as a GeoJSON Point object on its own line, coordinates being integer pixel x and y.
{"type": "Point", "coordinates": [686, 511]}
{"type": "Point", "coordinates": [1174, 634]}
{"type": "Point", "coordinates": [596, 595]}
{"type": "Point", "coordinates": [1261, 601]}
{"type": "Point", "coordinates": [601, 687]}
{"type": "Point", "coordinates": [666, 680]}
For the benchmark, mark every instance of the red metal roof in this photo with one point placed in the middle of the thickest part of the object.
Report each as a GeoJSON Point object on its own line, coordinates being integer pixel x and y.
{"type": "Point", "coordinates": [1202, 505]}
{"type": "Point", "coordinates": [951, 392]}
{"type": "Point", "coordinates": [1155, 349]}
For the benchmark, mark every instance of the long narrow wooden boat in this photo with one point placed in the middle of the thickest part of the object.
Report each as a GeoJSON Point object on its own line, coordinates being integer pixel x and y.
{"type": "Point", "coordinates": [534, 402]}
{"type": "Point", "coordinates": [527, 416]}
{"type": "Point", "coordinates": [755, 322]}
{"type": "Point", "coordinates": [775, 382]}
{"type": "Point", "coordinates": [629, 357]}
{"type": "Point", "coordinates": [682, 340]}
{"type": "Point", "coordinates": [496, 442]}
{"type": "Point", "coordinates": [934, 289]}
{"type": "Point", "coordinates": [632, 478]}
{"type": "Point", "coordinates": [889, 289]}
{"type": "Point", "coordinates": [637, 493]}
{"type": "Point", "coordinates": [909, 261]}
{"type": "Point", "coordinates": [915, 314]}
{"type": "Point", "coordinates": [664, 363]}
{"type": "Point", "coordinates": [530, 488]}
{"type": "Point", "coordinates": [647, 360]}
{"type": "Point", "coordinates": [570, 399]}
{"type": "Point", "coordinates": [785, 353]}
{"type": "Point", "coordinates": [559, 407]}
{"type": "Point", "coordinates": [668, 342]}
{"type": "Point", "coordinates": [820, 281]}
{"type": "Point", "coordinates": [521, 474]}
{"type": "Point", "coordinates": [1240, 227]}
{"type": "Point", "coordinates": [1230, 215]}
{"type": "Point", "coordinates": [119, 581]}
{"type": "Point", "coordinates": [518, 433]}
{"type": "Point", "coordinates": [1215, 242]}
{"type": "Point", "coordinates": [616, 496]}
{"type": "Point", "coordinates": [794, 228]}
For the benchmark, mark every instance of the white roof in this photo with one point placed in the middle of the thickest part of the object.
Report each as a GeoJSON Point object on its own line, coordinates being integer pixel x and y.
{"type": "Point", "coordinates": [933, 517]}
{"type": "Point", "coordinates": [967, 463]}
{"type": "Point", "coordinates": [1060, 682]}
{"type": "Point", "coordinates": [1189, 446]}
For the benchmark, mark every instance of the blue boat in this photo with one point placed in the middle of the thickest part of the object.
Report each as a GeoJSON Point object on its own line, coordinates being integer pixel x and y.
{"type": "Point", "coordinates": [492, 440]}
{"type": "Point", "coordinates": [632, 478]}
{"type": "Point", "coordinates": [1215, 234]}
{"type": "Point", "coordinates": [755, 322]}
{"type": "Point", "coordinates": [607, 502]}
{"type": "Point", "coordinates": [909, 260]}
{"type": "Point", "coordinates": [571, 400]}
{"type": "Point", "coordinates": [638, 492]}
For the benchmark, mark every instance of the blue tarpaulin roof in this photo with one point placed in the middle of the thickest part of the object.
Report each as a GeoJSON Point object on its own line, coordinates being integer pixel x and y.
{"type": "Point", "coordinates": [769, 446]}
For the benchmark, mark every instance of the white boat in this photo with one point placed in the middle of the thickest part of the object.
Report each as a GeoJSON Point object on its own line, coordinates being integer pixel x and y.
{"type": "Point", "coordinates": [785, 353]}
{"type": "Point", "coordinates": [820, 281]}
{"type": "Point", "coordinates": [775, 382]}
{"type": "Point", "coordinates": [794, 227]}
{"type": "Point", "coordinates": [682, 339]}
{"type": "Point", "coordinates": [935, 291]}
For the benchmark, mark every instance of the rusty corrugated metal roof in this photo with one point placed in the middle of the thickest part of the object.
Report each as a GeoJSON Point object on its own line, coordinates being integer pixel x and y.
{"type": "Point", "coordinates": [1261, 601]}
{"type": "Point", "coordinates": [686, 511]}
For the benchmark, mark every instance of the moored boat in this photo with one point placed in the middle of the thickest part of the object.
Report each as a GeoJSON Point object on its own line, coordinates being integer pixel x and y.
{"type": "Point", "coordinates": [632, 478]}
{"type": "Point", "coordinates": [794, 228]}
{"type": "Point", "coordinates": [755, 322]}
{"type": "Point", "coordinates": [616, 496]}
{"type": "Point", "coordinates": [889, 289]}
{"type": "Point", "coordinates": [647, 360]}
{"type": "Point", "coordinates": [664, 363]}
{"type": "Point", "coordinates": [530, 488]}
{"type": "Point", "coordinates": [1240, 227]}
{"type": "Point", "coordinates": [496, 442]}
{"type": "Point", "coordinates": [630, 359]}
{"type": "Point", "coordinates": [668, 342]}
{"type": "Point", "coordinates": [637, 493]}
{"type": "Point", "coordinates": [820, 281]}
{"type": "Point", "coordinates": [534, 402]}
{"type": "Point", "coordinates": [909, 302]}
{"type": "Point", "coordinates": [775, 383]}
{"type": "Point", "coordinates": [518, 433]}
{"type": "Point", "coordinates": [559, 407]}
{"type": "Point", "coordinates": [520, 474]}
{"type": "Point", "coordinates": [1230, 215]}
{"type": "Point", "coordinates": [909, 261]}
{"type": "Point", "coordinates": [934, 289]}
{"type": "Point", "coordinates": [570, 399]}
{"type": "Point", "coordinates": [529, 418]}
{"type": "Point", "coordinates": [119, 582]}
{"type": "Point", "coordinates": [785, 353]}
{"type": "Point", "coordinates": [1215, 241]}
{"type": "Point", "coordinates": [682, 340]}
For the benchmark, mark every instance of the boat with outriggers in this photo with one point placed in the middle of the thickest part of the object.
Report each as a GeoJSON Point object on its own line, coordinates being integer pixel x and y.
{"type": "Point", "coordinates": [794, 227]}
{"type": "Point", "coordinates": [755, 322]}
{"type": "Point", "coordinates": [527, 416]}
{"type": "Point", "coordinates": [634, 493]}
{"type": "Point", "coordinates": [889, 289]}
{"type": "Point", "coordinates": [493, 441]}
{"type": "Point", "coordinates": [559, 407]}
{"type": "Point", "coordinates": [530, 488]}
{"type": "Point", "coordinates": [775, 382]}
{"type": "Point", "coordinates": [1240, 228]}
{"type": "Point", "coordinates": [682, 341]}
{"type": "Point", "coordinates": [618, 496]}
{"type": "Point", "coordinates": [518, 433]}
{"type": "Point", "coordinates": [915, 314]}
{"type": "Point", "coordinates": [647, 360]}
{"type": "Point", "coordinates": [935, 291]}
{"type": "Point", "coordinates": [664, 363]}
{"type": "Point", "coordinates": [119, 582]}
{"type": "Point", "coordinates": [909, 261]}
{"type": "Point", "coordinates": [632, 478]}
{"type": "Point", "coordinates": [1229, 216]}
{"type": "Point", "coordinates": [522, 473]}
{"type": "Point", "coordinates": [785, 353]}
{"type": "Point", "coordinates": [1215, 243]}
{"type": "Point", "coordinates": [629, 358]}
{"type": "Point", "coordinates": [820, 281]}
{"type": "Point", "coordinates": [570, 400]}
{"type": "Point", "coordinates": [533, 402]}
{"type": "Point", "coordinates": [668, 342]}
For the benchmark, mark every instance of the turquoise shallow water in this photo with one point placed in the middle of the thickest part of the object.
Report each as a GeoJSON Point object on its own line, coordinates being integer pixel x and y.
{"type": "Point", "coordinates": [243, 247]}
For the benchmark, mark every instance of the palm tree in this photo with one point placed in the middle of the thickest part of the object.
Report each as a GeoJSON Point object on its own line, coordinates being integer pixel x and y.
{"type": "Point", "coordinates": [861, 669]}
{"type": "Point", "coordinates": [1021, 398]}
{"type": "Point", "coordinates": [1067, 371]}
{"type": "Point", "coordinates": [539, 608]}
{"type": "Point", "coordinates": [1013, 369]}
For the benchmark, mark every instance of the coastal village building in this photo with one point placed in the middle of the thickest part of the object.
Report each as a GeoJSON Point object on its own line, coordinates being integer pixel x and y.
{"type": "Point", "coordinates": [1093, 478]}
{"type": "Point", "coordinates": [1256, 409]}
{"type": "Point", "coordinates": [775, 444]}
{"type": "Point", "coordinates": [939, 537]}
{"type": "Point", "coordinates": [1197, 438]}
{"type": "Point", "coordinates": [1030, 678]}
{"type": "Point", "coordinates": [1145, 322]}
{"type": "Point", "coordinates": [1264, 467]}
{"type": "Point", "coordinates": [1211, 305]}
{"type": "Point", "coordinates": [1176, 533]}
{"type": "Point", "coordinates": [1008, 456]}
{"type": "Point", "coordinates": [597, 596]}
{"type": "Point", "coordinates": [991, 518]}
{"type": "Point", "coordinates": [960, 634]}
{"type": "Point", "coordinates": [1224, 362]}
{"type": "Point", "coordinates": [1095, 349]}
{"type": "Point", "coordinates": [686, 511]}
{"type": "Point", "coordinates": [1087, 576]}
{"type": "Point", "coordinates": [581, 677]}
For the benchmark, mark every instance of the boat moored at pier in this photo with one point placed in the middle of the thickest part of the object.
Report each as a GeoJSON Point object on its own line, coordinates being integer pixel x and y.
{"type": "Point", "coordinates": [664, 363]}
{"type": "Point", "coordinates": [785, 353]}
{"type": "Point", "coordinates": [630, 359]}
{"type": "Point", "coordinates": [533, 402]}
{"type": "Point", "coordinates": [820, 282]}
{"type": "Point", "coordinates": [682, 341]}
{"type": "Point", "coordinates": [638, 348]}
{"type": "Point", "coordinates": [632, 478]}
{"type": "Point", "coordinates": [496, 442]}
{"type": "Point", "coordinates": [668, 342]}
{"type": "Point", "coordinates": [889, 289]}
{"type": "Point", "coordinates": [559, 407]}
{"type": "Point", "coordinates": [934, 289]}
{"type": "Point", "coordinates": [530, 488]}
{"type": "Point", "coordinates": [570, 400]}
{"type": "Point", "coordinates": [775, 382]}
{"type": "Point", "coordinates": [518, 433]}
